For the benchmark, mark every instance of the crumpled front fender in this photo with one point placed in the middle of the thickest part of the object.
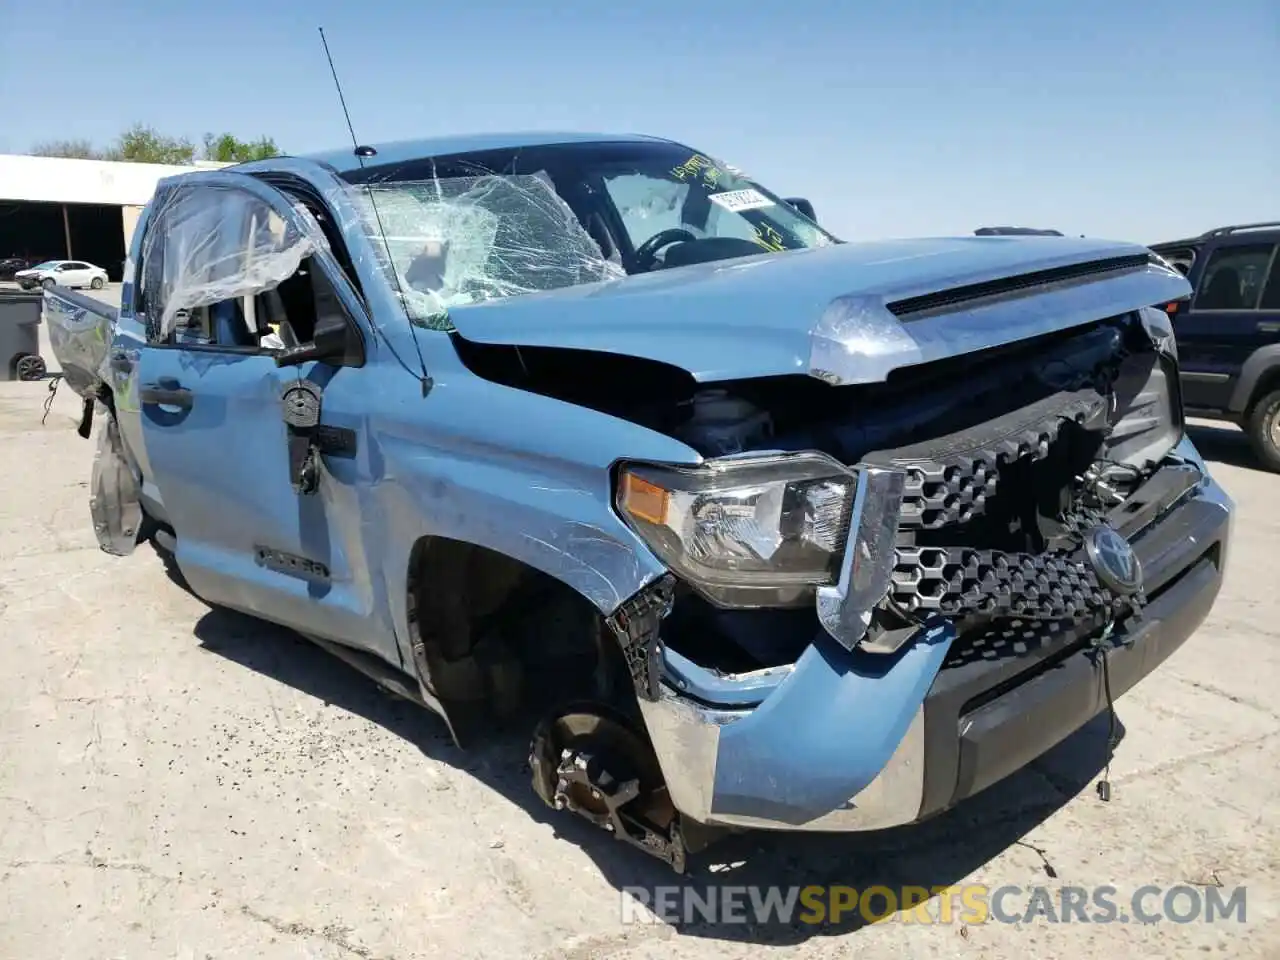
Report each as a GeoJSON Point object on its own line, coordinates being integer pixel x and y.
{"type": "Point", "coordinates": [819, 739]}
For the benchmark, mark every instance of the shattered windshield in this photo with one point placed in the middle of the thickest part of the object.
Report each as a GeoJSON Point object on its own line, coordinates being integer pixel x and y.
{"type": "Point", "coordinates": [702, 199]}
{"type": "Point", "coordinates": [474, 227]}
{"type": "Point", "coordinates": [469, 239]}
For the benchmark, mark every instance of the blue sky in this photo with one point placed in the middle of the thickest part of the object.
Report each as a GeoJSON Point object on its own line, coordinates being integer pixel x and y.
{"type": "Point", "coordinates": [1121, 119]}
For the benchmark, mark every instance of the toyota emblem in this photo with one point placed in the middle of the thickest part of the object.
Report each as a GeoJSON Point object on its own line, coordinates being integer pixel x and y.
{"type": "Point", "coordinates": [1114, 560]}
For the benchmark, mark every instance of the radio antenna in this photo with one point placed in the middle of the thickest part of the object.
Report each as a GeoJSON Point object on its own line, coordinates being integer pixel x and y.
{"type": "Point", "coordinates": [361, 153]}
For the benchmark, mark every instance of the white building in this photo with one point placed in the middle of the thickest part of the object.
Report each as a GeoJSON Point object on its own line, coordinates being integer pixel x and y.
{"type": "Point", "coordinates": [54, 208]}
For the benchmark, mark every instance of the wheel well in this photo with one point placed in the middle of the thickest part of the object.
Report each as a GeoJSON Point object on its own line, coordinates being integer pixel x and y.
{"type": "Point", "coordinates": [1268, 382]}
{"type": "Point", "coordinates": [493, 637]}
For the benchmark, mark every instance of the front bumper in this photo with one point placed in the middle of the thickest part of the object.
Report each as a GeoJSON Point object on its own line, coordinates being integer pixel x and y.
{"type": "Point", "coordinates": [855, 741]}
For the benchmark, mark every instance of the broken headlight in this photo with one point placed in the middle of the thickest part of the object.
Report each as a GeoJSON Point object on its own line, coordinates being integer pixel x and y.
{"type": "Point", "coordinates": [758, 531]}
{"type": "Point", "coordinates": [1147, 422]}
{"type": "Point", "coordinates": [1159, 327]}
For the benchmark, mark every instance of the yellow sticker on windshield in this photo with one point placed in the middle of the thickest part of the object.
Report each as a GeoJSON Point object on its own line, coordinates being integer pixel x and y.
{"type": "Point", "coordinates": [695, 166]}
{"type": "Point", "coordinates": [769, 238]}
{"type": "Point", "coordinates": [703, 168]}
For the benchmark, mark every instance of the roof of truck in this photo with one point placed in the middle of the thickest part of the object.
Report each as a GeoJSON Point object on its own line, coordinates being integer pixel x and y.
{"type": "Point", "coordinates": [344, 159]}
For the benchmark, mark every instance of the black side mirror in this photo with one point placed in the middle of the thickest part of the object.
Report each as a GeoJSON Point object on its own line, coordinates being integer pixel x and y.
{"type": "Point", "coordinates": [335, 340]}
{"type": "Point", "coordinates": [803, 207]}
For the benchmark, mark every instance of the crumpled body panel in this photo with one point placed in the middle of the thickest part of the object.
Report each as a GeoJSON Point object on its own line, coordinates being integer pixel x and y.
{"type": "Point", "coordinates": [828, 312]}
{"type": "Point", "coordinates": [80, 332]}
{"type": "Point", "coordinates": [114, 499]}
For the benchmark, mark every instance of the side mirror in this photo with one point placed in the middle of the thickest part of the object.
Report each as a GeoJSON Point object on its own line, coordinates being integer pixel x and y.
{"type": "Point", "coordinates": [329, 343]}
{"type": "Point", "coordinates": [335, 340]}
{"type": "Point", "coordinates": [803, 207]}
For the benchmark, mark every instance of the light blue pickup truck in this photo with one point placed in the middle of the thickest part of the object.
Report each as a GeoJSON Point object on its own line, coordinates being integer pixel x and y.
{"type": "Point", "coordinates": [755, 528]}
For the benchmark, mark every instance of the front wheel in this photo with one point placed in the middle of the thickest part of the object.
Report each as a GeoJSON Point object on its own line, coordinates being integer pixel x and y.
{"type": "Point", "coordinates": [47, 283]}
{"type": "Point", "coordinates": [1263, 429]}
{"type": "Point", "coordinates": [96, 283]}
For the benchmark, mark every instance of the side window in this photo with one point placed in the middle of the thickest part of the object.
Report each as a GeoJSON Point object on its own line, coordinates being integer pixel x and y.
{"type": "Point", "coordinates": [1234, 277]}
{"type": "Point", "coordinates": [1271, 293]}
{"type": "Point", "coordinates": [221, 269]}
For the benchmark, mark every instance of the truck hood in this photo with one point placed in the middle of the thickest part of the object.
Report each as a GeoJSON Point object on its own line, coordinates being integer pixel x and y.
{"type": "Point", "coordinates": [848, 313]}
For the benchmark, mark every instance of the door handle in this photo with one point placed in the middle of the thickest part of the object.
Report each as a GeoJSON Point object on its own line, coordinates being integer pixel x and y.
{"type": "Point", "coordinates": [166, 392]}
{"type": "Point", "coordinates": [120, 362]}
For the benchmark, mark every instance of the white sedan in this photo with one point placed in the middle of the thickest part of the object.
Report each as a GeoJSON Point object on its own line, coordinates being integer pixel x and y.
{"type": "Point", "coordinates": [62, 273]}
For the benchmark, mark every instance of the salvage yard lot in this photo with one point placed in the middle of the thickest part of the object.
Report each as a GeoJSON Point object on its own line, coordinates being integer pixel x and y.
{"type": "Point", "coordinates": [183, 782]}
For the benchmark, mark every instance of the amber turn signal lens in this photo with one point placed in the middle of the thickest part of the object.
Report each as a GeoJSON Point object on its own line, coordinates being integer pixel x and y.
{"type": "Point", "coordinates": [643, 499]}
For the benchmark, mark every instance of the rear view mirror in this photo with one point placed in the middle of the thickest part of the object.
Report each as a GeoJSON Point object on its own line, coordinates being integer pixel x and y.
{"type": "Point", "coordinates": [802, 206]}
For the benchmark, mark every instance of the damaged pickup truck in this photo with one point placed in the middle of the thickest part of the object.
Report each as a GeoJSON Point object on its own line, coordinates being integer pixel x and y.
{"type": "Point", "coordinates": [754, 528]}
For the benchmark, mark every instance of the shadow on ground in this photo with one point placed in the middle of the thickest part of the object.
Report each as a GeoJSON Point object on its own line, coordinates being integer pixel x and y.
{"type": "Point", "coordinates": [938, 853]}
{"type": "Point", "coordinates": [1223, 445]}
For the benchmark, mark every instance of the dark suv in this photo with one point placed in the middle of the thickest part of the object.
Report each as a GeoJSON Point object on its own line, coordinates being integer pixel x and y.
{"type": "Point", "coordinates": [11, 265]}
{"type": "Point", "coordinates": [1228, 330]}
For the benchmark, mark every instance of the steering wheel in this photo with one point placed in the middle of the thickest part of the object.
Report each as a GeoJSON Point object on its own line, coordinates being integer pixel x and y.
{"type": "Point", "coordinates": [646, 252]}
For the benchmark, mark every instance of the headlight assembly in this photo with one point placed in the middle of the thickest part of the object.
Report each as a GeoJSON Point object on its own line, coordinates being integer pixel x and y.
{"type": "Point", "coordinates": [1159, 327]}
{"type": "Point", "coordinates": [745, 531]}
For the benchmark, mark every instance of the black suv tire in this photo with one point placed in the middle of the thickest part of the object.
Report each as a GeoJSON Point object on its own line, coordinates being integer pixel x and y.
{"type": "Point", "coordinates": [1263, 429]}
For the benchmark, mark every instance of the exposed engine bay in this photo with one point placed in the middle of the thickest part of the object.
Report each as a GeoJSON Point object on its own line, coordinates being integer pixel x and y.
{"type": "Point", "coordinates": [1011, 455]}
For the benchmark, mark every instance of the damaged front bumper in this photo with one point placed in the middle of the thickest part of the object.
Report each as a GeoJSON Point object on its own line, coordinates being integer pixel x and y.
{"type": "Point", "coordinates": [853, 740]}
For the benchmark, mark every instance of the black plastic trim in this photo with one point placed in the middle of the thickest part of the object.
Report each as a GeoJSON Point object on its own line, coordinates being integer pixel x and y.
{"type": "Point", "coordinates": [912, 307]}
{"type": "Point", "coordinates": [985, 717]}
{"type": "Point", "coordinates": [334, 441]}
{"type": "Point", "coordinates": [1004, 735]}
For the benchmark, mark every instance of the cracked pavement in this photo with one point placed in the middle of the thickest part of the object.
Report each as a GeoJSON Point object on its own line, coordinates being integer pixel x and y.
{"type": "Point", "coordinates": [185, 782]}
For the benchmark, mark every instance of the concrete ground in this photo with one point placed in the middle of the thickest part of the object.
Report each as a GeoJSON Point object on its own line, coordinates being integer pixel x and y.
{"type": "Point", "coordinates": [177, 781]}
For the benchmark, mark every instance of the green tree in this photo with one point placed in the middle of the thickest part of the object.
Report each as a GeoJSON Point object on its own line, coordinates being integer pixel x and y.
{"type": "Point", "coordinates": [144, 144]}
{"type": "Point", "coordinates": [75, 149]}
{"type": "Point", "coordinates": [227, 148]}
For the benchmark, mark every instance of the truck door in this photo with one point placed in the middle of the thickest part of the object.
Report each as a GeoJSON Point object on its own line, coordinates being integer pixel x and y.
{"type": "Point", "coordinates": [232, 263]}
{"type": "Point", "coordinates": [1222, 325]}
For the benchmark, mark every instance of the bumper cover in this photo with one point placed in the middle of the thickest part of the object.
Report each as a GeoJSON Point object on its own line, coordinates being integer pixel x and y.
{"type": "Point", "coordinates": [853, 741]}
